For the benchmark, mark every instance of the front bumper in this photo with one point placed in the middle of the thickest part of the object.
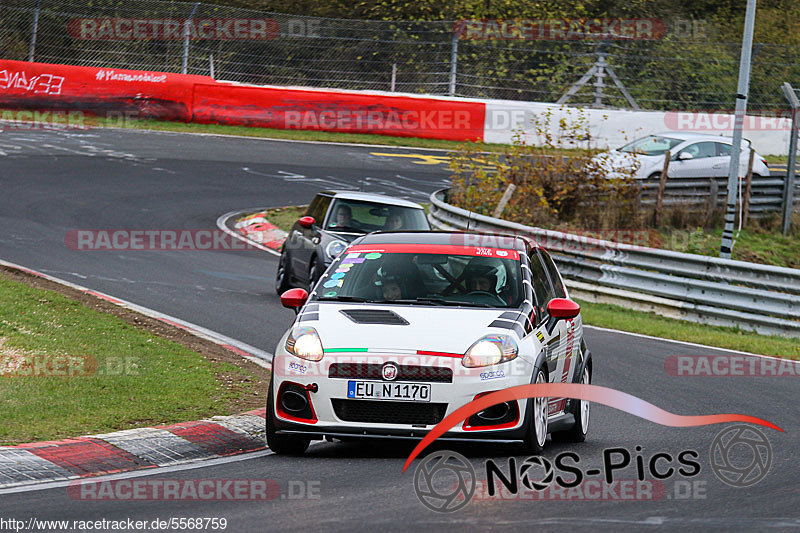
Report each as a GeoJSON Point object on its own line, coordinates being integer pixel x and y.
{"type": "Point", "coordinates": [327, 394]}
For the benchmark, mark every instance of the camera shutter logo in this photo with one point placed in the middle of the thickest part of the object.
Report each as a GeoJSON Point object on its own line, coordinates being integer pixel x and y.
{"type": "Point", "coordinates": [542, 463]}
{"type": "Point", "coordinates": [444, 496]}
{"type": "Point", "coordinates": [731, 460]}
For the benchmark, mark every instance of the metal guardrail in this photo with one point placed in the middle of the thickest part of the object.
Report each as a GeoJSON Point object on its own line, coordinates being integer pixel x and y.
{"type": "Point", "coordinates": [766, 192]}
{"type": "Point", "coordinates": [750, 296]}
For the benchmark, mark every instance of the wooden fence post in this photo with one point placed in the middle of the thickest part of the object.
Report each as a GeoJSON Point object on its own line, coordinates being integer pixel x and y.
{"type": "Point", "coordinates": [661, 185]}
{"type": "Point", "coordinates": [504, 200]}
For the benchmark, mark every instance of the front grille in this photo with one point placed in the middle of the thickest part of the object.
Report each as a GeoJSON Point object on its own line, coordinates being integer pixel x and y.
{"type": "Point", "coordinates": [433, 374]}
{"type": "Point", "coordinates": [375, 316]}
{"type": "Point", "coordinates": [387, 412]}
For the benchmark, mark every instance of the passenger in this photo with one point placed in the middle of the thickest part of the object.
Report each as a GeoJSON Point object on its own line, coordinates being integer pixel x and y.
{"type": "Point", "coordinates": [391, 286]}
{"type": "Point", "coordinates": [394, 222]}
{"type": "Point", "coordinates": [392, 290]}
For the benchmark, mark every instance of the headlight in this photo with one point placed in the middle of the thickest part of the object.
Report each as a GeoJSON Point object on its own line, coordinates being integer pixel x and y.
{"type": "Point", "coordinates": [305, 344]}
{"type": "Point", "coordinates": [334, 248]}
{"type": "Point", "coordinates": [490, 350]}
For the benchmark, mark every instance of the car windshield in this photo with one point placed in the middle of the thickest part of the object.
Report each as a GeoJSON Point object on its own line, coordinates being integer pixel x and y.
{"type": "Point", "coordinates": [420, 274]}
{"type": "Point", "coordinates": [651, 145]}
{"type": "Point", "coordinates": [364, 217]}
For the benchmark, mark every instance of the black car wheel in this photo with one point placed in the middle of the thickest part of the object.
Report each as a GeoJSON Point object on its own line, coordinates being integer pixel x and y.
{"type": "Point", "coordinates": [282, 277]}
{"type": "Point", "coordinates": [314, 274]}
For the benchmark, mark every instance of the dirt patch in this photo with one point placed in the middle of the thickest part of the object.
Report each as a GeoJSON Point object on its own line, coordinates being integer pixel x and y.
{"type": "Point", "coordinates": [250, 390]}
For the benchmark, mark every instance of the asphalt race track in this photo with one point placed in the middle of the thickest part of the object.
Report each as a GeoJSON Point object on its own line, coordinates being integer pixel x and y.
{"type": "Point", "coordinates": [54, 182]}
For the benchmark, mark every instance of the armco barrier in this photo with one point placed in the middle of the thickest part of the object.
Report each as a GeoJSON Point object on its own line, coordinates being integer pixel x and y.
{"type": "Point", "coordinates": [704, 289]}
{"type": "Point", "coordinates": [766, 193]}
{"type": "Point", "coordinates": [201, 99]}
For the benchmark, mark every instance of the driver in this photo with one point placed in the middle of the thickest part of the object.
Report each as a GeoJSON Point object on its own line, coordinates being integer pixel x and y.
{"type": "Point", "coordinates": [344, 217]}
{"type": "Point", "coordinates": [481, 279]}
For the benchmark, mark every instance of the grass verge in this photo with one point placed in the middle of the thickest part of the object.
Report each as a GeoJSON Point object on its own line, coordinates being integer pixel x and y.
{"type": "Point", "coordinates": [615, 317]}
{"type": "Point", "coordinates": [757, 243]}
{"type": "Point", "coordinates": [68, 367]}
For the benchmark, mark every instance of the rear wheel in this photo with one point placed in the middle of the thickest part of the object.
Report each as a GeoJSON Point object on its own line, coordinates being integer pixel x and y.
{"type": "Point", "coordinates": [537, 420]}
{"type": "Point", "coordinates": [282, 444]}
{"type": "Point", "coordinates": [580, 410]}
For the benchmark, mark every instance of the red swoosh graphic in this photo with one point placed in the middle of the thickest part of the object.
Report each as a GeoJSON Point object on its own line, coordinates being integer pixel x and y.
{"type": "Point", "coordinates": [592, 393]}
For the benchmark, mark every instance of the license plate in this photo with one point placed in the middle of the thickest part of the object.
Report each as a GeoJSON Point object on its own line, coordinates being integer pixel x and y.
{"type": "Point", "coordinates": [380, 390]}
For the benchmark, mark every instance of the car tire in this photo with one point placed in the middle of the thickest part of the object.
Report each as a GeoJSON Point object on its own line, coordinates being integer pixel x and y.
{"type": "Point", "coordinates": [314, 273]}
{"type": "Point", "coordinates": [580, 410]}
{"type": "Point", "coordinates": [654, 176]}
{"type": "Point", "coordinates": [282, 444]}
{"type": "Point", "coordinates": [283, 276]}
{"type": "Point", "coordinates": [536, 435]}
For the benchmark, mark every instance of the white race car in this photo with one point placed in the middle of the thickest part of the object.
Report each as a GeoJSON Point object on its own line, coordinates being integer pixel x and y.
{"type": "Point", "coordinates": [405, 328]}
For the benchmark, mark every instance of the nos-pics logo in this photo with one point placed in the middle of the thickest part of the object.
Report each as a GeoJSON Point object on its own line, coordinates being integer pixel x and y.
{"type": "Point", "coordinates": [445, 481]}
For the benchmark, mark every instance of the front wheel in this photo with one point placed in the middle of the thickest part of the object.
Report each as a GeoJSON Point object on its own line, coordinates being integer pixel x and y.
{"type": "Point", "coordinates": [314, 274]}
{"type": "Point", "coordinates": [537, 421]}
{"type": "Point", "coordinates": [282, 444]}
{"type": "Point", "coordinates": [282, 276]}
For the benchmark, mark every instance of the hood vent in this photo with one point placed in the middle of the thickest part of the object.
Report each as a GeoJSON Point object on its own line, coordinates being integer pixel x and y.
{"type": "Point", "coordinates": [375, 316]}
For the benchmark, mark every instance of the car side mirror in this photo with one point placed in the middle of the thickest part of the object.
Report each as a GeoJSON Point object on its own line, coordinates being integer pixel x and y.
{"type": "Point", "coordinates": [561, 309]}
{"type": "Point", "coordinates": [294, 299]}
{"type": "Point", "coordinates": [684, 156]}
{"type": "Point", "coordinates": [306, 222]}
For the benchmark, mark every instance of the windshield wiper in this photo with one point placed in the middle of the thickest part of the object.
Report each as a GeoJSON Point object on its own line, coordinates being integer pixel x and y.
{"type": "Point", "coordinates": [442, 301]}
{"type": "Point", "coordinates": [345, 299]}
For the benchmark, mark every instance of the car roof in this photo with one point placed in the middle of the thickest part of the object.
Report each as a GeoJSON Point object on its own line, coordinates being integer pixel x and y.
{"type": "Point", "coordinates": [371, 197]}
{"type": "Point", "coordinates": [693, 136]}
{"type": "Point", "coordinates": [452, 238]}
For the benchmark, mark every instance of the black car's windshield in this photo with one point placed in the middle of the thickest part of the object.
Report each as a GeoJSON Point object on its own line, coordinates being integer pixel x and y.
{"type": "Point", "coordinates": [364, 217]}
{"type": "Point", "coordinates": [415, 274]}
{"type": "Point", "coordinates": [651, 145]}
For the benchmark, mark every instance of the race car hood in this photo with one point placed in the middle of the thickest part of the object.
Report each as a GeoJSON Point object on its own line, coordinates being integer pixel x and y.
{"type": "Point", "coordinates": [429, 329]}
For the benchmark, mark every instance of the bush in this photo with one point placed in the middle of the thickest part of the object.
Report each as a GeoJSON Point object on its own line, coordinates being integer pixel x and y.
{"type": "Point", "coordinates": [555, 191]}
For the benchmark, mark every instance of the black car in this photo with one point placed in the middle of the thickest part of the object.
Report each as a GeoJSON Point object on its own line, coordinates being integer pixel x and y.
{"type": "Point", "coordinates": [334, 219]}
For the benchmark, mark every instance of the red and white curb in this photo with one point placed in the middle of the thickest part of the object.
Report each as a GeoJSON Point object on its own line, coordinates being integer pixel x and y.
{"type": "Point", "coordinates": [131, 450]}
{"type": "Point", "coordinates": [251, 226]}
{"type": "Point", "coordinates": [256, 227]}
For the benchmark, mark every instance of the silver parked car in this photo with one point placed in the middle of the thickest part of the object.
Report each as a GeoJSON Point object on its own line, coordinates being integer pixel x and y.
{"type": "Point", "coordinates": [692, 155]}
